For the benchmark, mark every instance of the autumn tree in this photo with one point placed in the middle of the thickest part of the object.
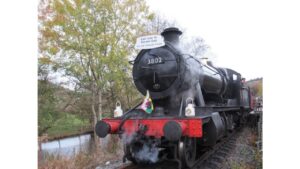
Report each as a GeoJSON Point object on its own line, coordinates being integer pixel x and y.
{"type": "Point", "coordinates": [90, 41]}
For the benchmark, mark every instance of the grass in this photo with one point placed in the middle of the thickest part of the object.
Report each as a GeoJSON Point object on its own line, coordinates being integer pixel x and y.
{"type": "Point", "coordinates": [68, 125]}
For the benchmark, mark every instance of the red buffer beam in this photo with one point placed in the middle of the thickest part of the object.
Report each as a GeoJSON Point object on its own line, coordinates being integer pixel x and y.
{"type": "Point", "coordinates": [172, 129]}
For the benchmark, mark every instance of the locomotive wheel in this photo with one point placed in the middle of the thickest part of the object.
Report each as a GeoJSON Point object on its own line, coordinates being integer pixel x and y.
{"type": "Point", "coordinates": [187, 152]}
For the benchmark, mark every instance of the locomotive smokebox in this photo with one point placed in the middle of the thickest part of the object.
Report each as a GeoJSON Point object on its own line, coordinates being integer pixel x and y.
{"type": "Point", "coordinates": [158, 69]}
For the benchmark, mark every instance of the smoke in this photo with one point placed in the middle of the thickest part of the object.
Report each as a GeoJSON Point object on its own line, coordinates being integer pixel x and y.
{"type": "Point", "coordinates": [143, 150]}
{"type": "Point", "coordinates": [128, 138]}
{"type": "Point", "coordinates": [148, 153]}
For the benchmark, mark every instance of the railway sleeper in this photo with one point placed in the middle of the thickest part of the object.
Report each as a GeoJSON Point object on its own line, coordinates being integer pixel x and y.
{"type": "Point", "coordinates": [212, 164]}
{"type": "Point", "coordinates": [221, 153]}
{"type": "Point", "coordinates": [218, 159]}
{"type": "Point", "coordinates": [226, 149]}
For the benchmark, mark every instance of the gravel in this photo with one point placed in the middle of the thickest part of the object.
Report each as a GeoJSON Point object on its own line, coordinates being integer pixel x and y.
{"type": "Point", "coordinates": [245, 155]}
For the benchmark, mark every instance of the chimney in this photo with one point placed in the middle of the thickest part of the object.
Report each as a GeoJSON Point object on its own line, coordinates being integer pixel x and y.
{"type": "Point", "coordinates": [171, 35]}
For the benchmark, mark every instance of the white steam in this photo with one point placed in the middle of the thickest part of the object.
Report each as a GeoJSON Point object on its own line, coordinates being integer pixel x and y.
{"type": "Point", "coordinates": [147, 153]}
{"type": "Point", "coordinates": [128, 138]}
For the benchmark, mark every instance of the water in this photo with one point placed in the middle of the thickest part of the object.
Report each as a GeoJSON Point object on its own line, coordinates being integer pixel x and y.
{"type": "Point", "coordinates": [71, 146]}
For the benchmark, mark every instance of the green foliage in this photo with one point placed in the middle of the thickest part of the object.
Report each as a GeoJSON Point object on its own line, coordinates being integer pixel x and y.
{"type": "Point", "coordinates": [55, 104]}
{"type": "Point", "coordinates": [70, 120]}
{"type": "Point", "coordinates": [46, 106]}
{"type": "Point", "coordinates": [61, 110]}
{"type": "Point", "coordinates": [68, 124]}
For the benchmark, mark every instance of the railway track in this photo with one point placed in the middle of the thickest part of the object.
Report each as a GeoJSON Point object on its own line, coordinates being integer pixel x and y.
{"type": "Point", "coordinates": [214, 158]}
{"type": "Point", "coordinates": [210, 159]}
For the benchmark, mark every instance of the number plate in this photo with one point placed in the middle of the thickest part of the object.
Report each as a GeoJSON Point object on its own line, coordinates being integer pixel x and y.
{"type": "Point", "coordinates": [156, 60]}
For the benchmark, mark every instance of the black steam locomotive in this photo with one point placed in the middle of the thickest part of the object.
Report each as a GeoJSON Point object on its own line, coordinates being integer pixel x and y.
{"type": "Point", "coordinates": [195, 105]}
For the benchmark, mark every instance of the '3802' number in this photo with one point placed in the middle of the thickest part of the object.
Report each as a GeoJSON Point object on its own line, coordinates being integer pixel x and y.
{"type": "Point", "coordinates": [156, 60]}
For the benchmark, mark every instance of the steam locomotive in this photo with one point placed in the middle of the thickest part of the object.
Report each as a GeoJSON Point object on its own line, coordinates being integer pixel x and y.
{"type": "Point", "coordinates": [195, 105]}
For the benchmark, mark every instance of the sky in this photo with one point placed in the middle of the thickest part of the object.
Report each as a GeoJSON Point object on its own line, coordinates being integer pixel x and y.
{"type": "Point", "coordinates": [240, 33]}
{"type": "Point", "coordinates": [232, 29]}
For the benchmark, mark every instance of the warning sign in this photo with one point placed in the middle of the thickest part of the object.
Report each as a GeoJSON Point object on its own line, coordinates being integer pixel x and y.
{"type": "Point", "coordinates": [149, 42]}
